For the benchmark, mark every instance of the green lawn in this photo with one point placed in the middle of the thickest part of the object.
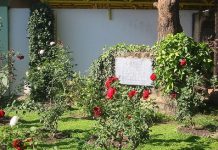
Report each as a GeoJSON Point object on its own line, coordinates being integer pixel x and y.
{"type": "Point", "coordinates": [163, 136]}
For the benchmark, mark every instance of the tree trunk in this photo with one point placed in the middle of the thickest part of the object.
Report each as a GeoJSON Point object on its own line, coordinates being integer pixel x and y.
{"type": "Point", "coordinates": [168, 18]}
{"type": "Point", "coordinates": [216, 18]}
{"type": "Point", "coordinates": [215, 70]}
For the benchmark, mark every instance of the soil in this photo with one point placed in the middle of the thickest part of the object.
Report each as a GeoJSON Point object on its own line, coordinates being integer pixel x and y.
{"type": "Point", "coordinates": [93, 139]}
{"type": "Point", "coordinates": [62, 135]}
{"type": "Point", "coordinates": [196, 132]}
{"type": "Point", "coordinates": [4, 120]}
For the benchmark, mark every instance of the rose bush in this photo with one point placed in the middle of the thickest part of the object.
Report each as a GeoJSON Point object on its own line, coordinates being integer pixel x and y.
{"type": "Point", "coordinates": [56, 73]}
{"type": "Point", "coordinates": [41, 33]}
{"type": "Point", "coordinates": [124, 113]}
{"type": "Point", "coordinates": [11, 136]}
{"type": "Point", "coordinates": [124, 117]}
{"type": "Point", "coordinates": [93, 87]}
{"type": "Point", "coordinates": [182, 69]}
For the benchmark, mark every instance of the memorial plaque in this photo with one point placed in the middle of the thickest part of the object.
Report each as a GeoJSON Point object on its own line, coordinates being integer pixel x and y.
{"type": "Point", "coordinates": [134, 71]}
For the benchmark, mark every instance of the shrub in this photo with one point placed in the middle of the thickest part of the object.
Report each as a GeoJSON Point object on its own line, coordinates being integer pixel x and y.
{"type": "Point", "coordinates": [6, 71]}
{"type": "Point", "coordinates": [124, 116]}
{"type": "Point", "coordinates": [182, 67]}
{"type": "Point", "coordinates": [12, 136]}
{"type": "Point", "coordinates": [123, 112]}
{"type": "Point", "coordinates": [41, 34]}
{"type": "Point", "coordinates": [102, 68]}
{"type": "Point", "coordinates": [50, 68]}
{"type": "Point", "coordinates": [3, 76]}
{"type": "Point", "coordinates": [3, 70]}
{"type": "Point", "coordinates": [58, 71]}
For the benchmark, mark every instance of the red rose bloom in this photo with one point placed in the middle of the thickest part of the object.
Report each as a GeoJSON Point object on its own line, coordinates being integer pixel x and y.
{"type": "Point", "coordinates": [129, 117]}
{"type": "Point", "coordinates": [109, 81]}
{"type": "Point", "coordinates": [153, 77]}
{"type": "Point", "coordinates": [173, 95]}
{"type": "Point", "coordinates": [2, 113]}
{"type": "Point", "coordinates": [132, 93]}
{"type": "Point", "coordinates": [19, 148]}
{"type": "Point", "coordinates": [183, 62]}
{"type": "Point", "coordinates": [146, 94]}
{"type": "Point", "coordinates": [110, 93]}
{"type": "Point", "coordinates": [97, 111]}
{"type": "Point", "coordinates": [18, 144]}
{"type": "Point", "coordinates": [20, 57]}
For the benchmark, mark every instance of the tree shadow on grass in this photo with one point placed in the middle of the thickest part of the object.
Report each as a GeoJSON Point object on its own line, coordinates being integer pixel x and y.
{"type": "Point", "coordinates": [67, 119]}
{"type": "Point", "coordinates": [193, 142]}
{"type": "Point", "coordinates": [211, 127]}
{"type": "Point", "coordinates": [28, 124]}
{"type": "Point", "coordinates": [74, 142]}
{"type": "Point", "coordinates": [72, 108]}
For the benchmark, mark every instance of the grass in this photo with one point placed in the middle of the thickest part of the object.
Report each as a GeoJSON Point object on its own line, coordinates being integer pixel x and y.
{"type": "Point", "coordinates": [163, 136]}
{"type": "Point", "coordinates": [166, 137]}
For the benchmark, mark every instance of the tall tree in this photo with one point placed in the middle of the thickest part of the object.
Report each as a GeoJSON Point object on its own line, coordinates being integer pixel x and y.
{"type": "Point", "coordinates": [168, 17]}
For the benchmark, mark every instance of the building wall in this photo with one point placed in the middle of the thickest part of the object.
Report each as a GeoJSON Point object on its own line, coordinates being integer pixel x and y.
{"type": "Point", "coordinates": [18, 21]}
{"type": "Point", "coordinates": [87, 31]}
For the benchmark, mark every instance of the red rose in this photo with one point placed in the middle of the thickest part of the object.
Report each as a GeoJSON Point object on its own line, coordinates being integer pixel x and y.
{"type": "Point", "coordinates": [2, 113]}
{"type": "Point", "coordinates": [146, 94]}
{"type": "Point", "coordinates": [97, 111]}
{"type": "Point", "coordinates": [18, 144]}
{"type": "Point", "coordinates": [113, 78]}
{"type": "Point", "coordinates": [108, 84]}
{"type": "Point", "coordinates": [132, 93]}
{"type": "Point", "coordinates": [19, 148]}
{"type": "Point", "coordinates": [153, 77]}
{"type": "Point", "coordinates": [20, 57]}
{"type": "Point", "coordinates": [110, 93]}
{"type": "Point", "coordinates": [129, 117]}
{"type": "Point", "coordinates": [173, 95]}
{"type": "Point", "coordinates": [183, 62]}
{"type": "Point", "coordinates": [109, 81]}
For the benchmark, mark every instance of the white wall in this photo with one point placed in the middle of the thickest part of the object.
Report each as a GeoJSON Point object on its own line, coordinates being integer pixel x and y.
{"type": "Point", "coordinates": [87, 31]}
{"type": "Point", "coordinates": [18, 20]}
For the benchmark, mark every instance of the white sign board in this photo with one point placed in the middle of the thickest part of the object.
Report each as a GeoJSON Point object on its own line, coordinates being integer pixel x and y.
{"type": "Point", "coordinates": [134, 71]}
